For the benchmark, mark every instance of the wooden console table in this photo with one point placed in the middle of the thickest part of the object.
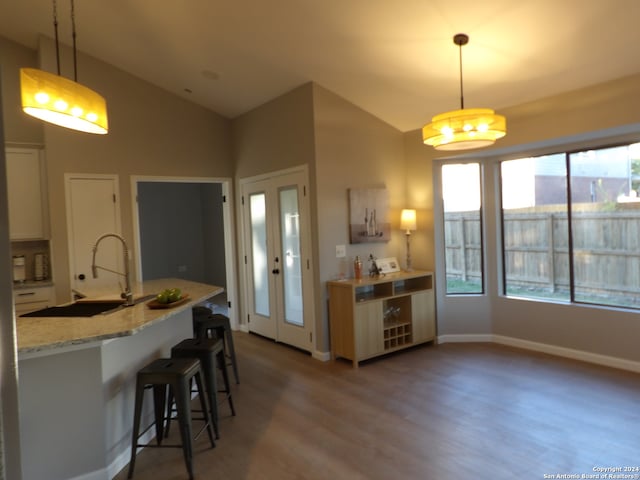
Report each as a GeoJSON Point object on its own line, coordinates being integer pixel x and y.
{"type": "Point", "coordinates": [374, 316]}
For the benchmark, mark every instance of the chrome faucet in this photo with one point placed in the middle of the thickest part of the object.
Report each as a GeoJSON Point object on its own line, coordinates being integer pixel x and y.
{"type": "Point", "coordinates": [127, 294]}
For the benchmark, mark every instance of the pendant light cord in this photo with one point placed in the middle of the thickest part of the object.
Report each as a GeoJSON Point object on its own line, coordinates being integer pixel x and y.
{"type": "Point", "coordinates": [461, 93]}
{"type": "Point", "coordinates": [55, 29]}
{"type": "Point", "coordinates": [461, 39]}
{"type": "Point", "coordinates": [73, 35]}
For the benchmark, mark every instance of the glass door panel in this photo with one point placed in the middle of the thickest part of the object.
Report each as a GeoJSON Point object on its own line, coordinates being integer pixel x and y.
{"type": "Point", "coordinates": [292, 269]}
{"type": "Point", "coordinates": [257, 206]}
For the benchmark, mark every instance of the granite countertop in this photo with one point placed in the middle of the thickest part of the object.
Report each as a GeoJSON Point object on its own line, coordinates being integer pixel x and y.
{"type": "Point", "coordinates": [37, 334]}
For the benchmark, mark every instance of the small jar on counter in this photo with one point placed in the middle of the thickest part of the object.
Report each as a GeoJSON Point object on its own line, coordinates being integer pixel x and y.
{"type": "Point", "coordinates": [357, 268]}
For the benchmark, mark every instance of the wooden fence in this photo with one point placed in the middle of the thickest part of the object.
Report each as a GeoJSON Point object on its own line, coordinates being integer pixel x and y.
{"type": "Point", "coordinates": [606, 250]}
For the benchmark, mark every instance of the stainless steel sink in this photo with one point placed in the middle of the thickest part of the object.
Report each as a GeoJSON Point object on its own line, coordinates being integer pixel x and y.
{"type": "Point", "coordinates": [85, 308]}
{"type": "Point", "coordinates": [78, 309]}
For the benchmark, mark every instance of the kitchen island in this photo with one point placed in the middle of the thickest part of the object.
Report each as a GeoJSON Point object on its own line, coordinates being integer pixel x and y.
{"type": "Point", "coordinates": [77, 381]}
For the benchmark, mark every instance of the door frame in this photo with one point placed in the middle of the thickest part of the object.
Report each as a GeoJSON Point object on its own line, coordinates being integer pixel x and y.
{"type": "Point", "coordinates": [229, 231]}
{"type": "Point", "coordinates": [309, 287]}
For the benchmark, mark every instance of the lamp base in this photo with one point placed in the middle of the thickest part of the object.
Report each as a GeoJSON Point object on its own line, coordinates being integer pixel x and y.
{"type": "Point", "coordinates": [409, 268]}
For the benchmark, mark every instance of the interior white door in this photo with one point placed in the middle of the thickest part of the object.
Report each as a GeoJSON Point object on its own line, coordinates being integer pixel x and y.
{"type": "Point", "coordinates": [278, 258]}
{"type": "Point", "coordinates": [93, 210]}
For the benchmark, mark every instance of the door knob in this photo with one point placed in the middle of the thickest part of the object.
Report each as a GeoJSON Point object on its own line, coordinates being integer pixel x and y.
{"type": "Point", "coordinates": [81, 276]}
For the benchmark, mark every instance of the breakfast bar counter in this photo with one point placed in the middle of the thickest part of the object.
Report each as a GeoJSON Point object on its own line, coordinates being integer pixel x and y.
{"type": "Point", "coordinates": [77, 381]}
{"type": "Point", "coordinates": [41, 334]}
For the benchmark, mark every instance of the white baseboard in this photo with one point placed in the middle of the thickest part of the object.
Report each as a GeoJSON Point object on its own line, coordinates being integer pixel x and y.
{"type": "Point", "coordinates": [581, 355]}
{"type": "Point", "coordinates": [466, 338]}
{"type": "Point", "coordinates": [322, 356]}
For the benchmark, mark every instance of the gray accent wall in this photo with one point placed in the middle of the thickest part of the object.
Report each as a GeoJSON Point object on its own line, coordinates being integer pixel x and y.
{"type": "Point", "coordinates": [181, 231]}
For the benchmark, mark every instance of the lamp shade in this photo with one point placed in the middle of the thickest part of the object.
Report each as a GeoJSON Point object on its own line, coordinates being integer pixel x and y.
{"type": "Point", "coordinates": [408, 220]}
{"type": "Point", "coordinates": [464, 129]}
{"type": "Point", "coordinates": [63, 102]}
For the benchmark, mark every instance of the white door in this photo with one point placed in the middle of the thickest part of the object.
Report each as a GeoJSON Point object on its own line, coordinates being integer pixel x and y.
{"type": "Point", "coordinates": [93, 209]}
{"type": "Point", "coordinates": [278, 258]}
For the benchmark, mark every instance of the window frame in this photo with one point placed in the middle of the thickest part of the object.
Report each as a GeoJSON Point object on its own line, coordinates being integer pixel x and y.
{"type": "Point", "coordinates": [481, 220]}
{"type": "Point", "coordinates": [567, 153]}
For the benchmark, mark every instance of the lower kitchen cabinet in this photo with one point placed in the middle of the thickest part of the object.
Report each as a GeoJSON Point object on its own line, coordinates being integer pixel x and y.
{"type": "Point", "coordinates": [375, 316]}
{"type": "Point", "coordinates": [31, 298]}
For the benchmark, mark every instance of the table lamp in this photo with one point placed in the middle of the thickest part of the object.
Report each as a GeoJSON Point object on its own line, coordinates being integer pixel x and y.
{"type": "Point", "coordinates": [408, 223]}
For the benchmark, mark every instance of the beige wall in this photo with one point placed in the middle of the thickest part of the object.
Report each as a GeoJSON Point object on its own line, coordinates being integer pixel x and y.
{"type": "Point", "coordinates": [275, 136]}
{"type": "Point", "coordinates": [354, 149]}
{"type": "Point", "coordinates": [614, 106]}
{"type": "Point", "coordinates": [10, 464]}
{"type": "Point", "coordinates": [18, 127]}
{"type": "Point", "coordinates": [152, 132]}
{"type": "Point", "coordinates": [598, 115]}
{"type": "Point", "coordinates": [344, 147]}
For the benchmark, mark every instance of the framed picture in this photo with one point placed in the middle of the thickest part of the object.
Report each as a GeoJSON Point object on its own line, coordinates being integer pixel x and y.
{"type": "Point", "coordinates": [369, 215]}
{"type": "Point", "coordinates": [388, 265]}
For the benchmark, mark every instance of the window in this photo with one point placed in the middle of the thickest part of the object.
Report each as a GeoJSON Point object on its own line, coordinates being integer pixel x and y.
{"type": "Point", "coordinates": [462, 228]}
{"type": "Point", "coordinates": [571, 226]}
{"type": "Point", "coordinates": [534, 227]}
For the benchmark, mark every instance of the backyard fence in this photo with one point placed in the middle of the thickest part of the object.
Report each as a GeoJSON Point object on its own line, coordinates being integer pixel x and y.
{"type": "Point", "coordinates": [606, 247]}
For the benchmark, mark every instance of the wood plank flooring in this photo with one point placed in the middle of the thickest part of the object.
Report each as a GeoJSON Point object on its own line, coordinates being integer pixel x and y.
{"type": "Point", "coordinates": [452, 411]}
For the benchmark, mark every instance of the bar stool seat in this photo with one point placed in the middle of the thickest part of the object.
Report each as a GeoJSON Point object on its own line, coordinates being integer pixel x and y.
{"type": "Point", "coordinates": [210, 353]}
{"type": "Point", "coordinates": [177, 374]}
{"type": "Point", "coordinates": [206, 324]}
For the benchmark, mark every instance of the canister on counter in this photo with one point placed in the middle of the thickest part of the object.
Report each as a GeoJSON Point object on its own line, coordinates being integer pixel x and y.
{"type": "Point", "coordinates": [357, 268]}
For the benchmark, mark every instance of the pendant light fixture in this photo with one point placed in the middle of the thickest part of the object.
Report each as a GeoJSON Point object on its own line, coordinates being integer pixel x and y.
{"type": "Point", "coordinates": [466, 128]}
{"type": "Point", "coordinates": [61, 101]}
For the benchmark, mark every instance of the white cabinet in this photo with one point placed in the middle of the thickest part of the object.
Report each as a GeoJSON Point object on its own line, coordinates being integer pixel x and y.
{"type": "Point", "coordinates": [30, 299]}
{"type": "Point", "coordinates": [26, 183]}
{"type": "Point", "coordinates": [374, 316]}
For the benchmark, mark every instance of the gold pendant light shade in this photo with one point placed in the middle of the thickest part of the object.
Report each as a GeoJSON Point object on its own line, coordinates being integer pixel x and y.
{"type": "Point", "coordinates": [63, 102]}
{"type": "Point", "coordinates": [464, 129]}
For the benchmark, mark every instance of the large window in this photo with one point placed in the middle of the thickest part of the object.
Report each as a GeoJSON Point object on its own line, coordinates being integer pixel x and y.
{"type": "Point", "coordinates": [571, 226]}
{"type": "Point", "coordinates": [462, 228]}
{"type": "Point", "coordinates": [534, 227]}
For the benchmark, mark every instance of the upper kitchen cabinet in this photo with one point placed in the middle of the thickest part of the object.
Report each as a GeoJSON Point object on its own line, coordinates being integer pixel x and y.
{"type": "Point", "coordinates": [26, 182]}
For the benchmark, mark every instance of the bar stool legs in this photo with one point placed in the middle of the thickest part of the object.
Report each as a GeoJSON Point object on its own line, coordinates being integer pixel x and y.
{"type": "Point", "coordinates": [205, 322]}
{"type": "Point", "coordinates": [210, 353]}
{"type": "Point", "coordinates": [222, 365]}
{"type": "Point", "coordinates": [175, 373]}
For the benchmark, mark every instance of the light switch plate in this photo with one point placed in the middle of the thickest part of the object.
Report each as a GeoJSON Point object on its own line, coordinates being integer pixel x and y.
{"type": "Point", "coordinates": [341, 251]}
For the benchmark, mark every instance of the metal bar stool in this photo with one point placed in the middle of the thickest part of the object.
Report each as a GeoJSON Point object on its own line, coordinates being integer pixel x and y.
{"type": "Point", "coordinates": [210, 352]}
{"type": "Point", "coordinates": [205, 323]}
{"type": "Point", "coordinates": [177, 374]}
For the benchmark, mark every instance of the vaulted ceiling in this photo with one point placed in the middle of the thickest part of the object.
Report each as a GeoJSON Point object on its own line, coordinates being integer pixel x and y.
{"type": "Point", "coordinates": [395, 59]}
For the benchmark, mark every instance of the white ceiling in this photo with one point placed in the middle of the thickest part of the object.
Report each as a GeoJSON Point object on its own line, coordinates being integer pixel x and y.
{"type": "Point", "coordinates": [393, 58]}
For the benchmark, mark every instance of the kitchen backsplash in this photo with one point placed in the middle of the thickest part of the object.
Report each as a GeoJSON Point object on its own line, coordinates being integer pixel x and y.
{"type": "Point", "coordinates": [30, 249]}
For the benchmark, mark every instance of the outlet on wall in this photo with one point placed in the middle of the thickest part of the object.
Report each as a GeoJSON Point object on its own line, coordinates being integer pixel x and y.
{"type": "Point", "coordinates": [341, 251]}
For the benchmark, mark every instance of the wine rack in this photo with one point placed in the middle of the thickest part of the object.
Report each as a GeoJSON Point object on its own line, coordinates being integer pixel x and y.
{"type": "Point", "coordinates": [373, 316]}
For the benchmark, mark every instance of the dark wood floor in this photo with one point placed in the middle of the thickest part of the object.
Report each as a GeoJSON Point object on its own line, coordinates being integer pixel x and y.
{"type": "Point", "coordinates": [452, 411]}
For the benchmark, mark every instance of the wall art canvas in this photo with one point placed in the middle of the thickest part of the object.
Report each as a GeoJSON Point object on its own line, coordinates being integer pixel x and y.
{"type": "Point", "coordinates": [369, 215]}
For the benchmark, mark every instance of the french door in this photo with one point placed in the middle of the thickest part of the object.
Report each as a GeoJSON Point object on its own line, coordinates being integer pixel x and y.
{"type": "Point", "coordinates": [278, 257]}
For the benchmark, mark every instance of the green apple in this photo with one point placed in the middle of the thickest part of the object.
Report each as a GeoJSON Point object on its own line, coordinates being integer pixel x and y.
{"type": "Point", "coordinates": [163, 297]}
{"type": "Point", "coordinates": [174, 295]}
